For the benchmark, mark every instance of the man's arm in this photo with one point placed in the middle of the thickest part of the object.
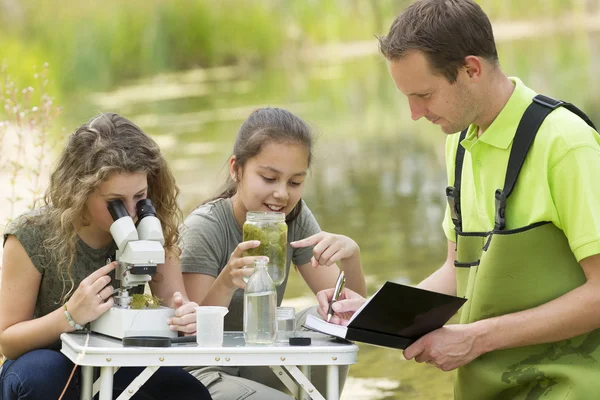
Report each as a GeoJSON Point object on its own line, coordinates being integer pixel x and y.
{"type": "Point", "coordinates": [567, 316]}
{"type": "Point", "coordinates": [444, 279]}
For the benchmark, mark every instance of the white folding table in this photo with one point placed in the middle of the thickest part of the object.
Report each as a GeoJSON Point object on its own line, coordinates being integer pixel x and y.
{"type": "Point", "coordinates": [291, 364]}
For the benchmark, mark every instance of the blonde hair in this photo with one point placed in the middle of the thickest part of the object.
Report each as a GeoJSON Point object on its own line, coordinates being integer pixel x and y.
{"type": "Point", "coordinates": [105, 145]}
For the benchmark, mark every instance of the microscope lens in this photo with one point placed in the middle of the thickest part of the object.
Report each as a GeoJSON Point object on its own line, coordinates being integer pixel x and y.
{"type": "Point", "coordinates": [117, 209]}
{"type": "Point", "coordinates": [145, 208]}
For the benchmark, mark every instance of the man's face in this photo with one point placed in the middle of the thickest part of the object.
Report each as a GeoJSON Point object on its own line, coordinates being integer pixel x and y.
{"type": "Point", "coordinates": [451, 106]}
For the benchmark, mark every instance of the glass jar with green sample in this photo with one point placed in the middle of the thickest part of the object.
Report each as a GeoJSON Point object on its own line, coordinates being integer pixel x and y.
{"type": "Point", "coordinates": [270, 229]}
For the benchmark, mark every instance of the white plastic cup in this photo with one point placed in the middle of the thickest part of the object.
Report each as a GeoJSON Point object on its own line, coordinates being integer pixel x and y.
{"type": "Point", "coordinates": [286, 323]}
{"type": "Point", "coordinates": [209, 325]}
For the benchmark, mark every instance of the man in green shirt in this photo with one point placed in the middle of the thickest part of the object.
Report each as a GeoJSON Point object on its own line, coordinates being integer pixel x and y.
{"type": "Point", "coordinates": [523, 236]}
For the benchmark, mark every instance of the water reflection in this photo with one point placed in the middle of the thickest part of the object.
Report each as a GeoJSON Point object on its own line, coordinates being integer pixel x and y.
{"type": "Point", "coordinates": [387, 195]}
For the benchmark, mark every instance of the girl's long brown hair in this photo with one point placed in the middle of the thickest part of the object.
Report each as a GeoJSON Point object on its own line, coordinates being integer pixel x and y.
{"type": "Point", "coordinates": [105, 145]}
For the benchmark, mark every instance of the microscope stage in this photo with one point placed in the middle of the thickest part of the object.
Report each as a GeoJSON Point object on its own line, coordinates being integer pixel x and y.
{"type": "Point", "coordinates": [122, 322]}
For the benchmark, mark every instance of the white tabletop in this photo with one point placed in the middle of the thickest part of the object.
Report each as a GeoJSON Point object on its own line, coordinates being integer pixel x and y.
{"type": "Point", "coordinates": [99, 350]}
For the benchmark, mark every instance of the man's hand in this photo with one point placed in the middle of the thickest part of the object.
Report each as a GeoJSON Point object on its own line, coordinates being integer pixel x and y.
{"type": "Point", "coordinates": [348, 302]}
{"type": "Point", "coordinates": [447, 348]}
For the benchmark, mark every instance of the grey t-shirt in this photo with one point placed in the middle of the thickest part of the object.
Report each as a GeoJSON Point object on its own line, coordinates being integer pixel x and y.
{"type": "Point", "coordinates": [211, 233]}
{"type": "Point", "coordinates": [31, 230]}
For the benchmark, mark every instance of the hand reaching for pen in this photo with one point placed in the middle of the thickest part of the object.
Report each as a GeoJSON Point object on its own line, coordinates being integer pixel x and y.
{"type": "Point", "coordinates": [328, 248]}
{"type": "Point", "coordinates": [348, 302]}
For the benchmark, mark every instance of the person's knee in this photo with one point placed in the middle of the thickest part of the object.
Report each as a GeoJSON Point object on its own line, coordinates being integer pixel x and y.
{"type": "Point", "coordinates": [166, 382]}
{"type": "Point", "coordinates": [189, 386]}
{"type": "Point", "coordinates": [301, 316]}
{"type": "Point", "coordinates": [223, 386]}
{"type": "Point", "coordinates": [47, 368]}
{"type": "Point", "coordinates": [37, 373]}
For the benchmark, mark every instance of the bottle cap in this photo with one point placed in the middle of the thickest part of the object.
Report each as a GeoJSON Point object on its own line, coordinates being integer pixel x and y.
{"type": "Point", "coordinates": [300, 341]}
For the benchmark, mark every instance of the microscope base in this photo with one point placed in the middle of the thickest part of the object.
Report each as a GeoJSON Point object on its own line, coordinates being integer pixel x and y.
{"type": "Point", "coordinates": [123, 322]}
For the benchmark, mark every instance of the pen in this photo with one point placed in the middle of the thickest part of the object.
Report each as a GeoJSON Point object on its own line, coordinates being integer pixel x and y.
{"type": "Point", "coordinates": [339, 285]}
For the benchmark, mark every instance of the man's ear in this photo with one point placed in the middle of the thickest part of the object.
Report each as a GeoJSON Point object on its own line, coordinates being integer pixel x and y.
{"type": "Point", "coordinates": [473, 67]}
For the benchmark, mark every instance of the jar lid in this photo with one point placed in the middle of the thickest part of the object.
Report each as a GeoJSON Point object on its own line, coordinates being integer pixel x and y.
{"type": "Point", "coordinates": [265, 216]}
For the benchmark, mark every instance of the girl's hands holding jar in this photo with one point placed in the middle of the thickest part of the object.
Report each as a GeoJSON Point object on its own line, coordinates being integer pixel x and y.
{"type": "Point", "coordinates": [235, 271]}
{"type": "Point", "coordinates": [328, 248]}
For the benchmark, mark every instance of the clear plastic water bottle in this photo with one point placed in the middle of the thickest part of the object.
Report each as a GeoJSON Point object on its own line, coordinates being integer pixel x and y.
{"type": "Point", "coordinates": [260, 307]}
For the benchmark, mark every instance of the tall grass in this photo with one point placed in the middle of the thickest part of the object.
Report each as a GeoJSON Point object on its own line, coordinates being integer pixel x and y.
{"type": "Point", "coordinates": [26, 119]}
{"type": "Point", "coordinates": [96, 45]}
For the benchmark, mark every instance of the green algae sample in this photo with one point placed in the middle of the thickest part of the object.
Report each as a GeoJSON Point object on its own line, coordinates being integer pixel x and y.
{"type": "Point", "coordinates": [273, 244]}
{"type": "Point", "coordinates": [139, 301]}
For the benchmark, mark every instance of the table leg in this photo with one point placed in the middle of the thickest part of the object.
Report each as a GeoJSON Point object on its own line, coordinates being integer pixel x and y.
{"type": "Point", "coordinates": [106, 383]}
{"type": "Point", "coordinates": [313, 393]}
{"type": "Point", "coordinates": [333, 382]}
{"type": "Point", "coordinates": [137, 383]}
{"type": "Point", "coordinates": [306, 371]}
{"type": "Point", "coordinates": [87, 378]}
{"type": "Point", "coordinates": [96, 387]}
{"type": "Point", "coordinates": [285, 378]}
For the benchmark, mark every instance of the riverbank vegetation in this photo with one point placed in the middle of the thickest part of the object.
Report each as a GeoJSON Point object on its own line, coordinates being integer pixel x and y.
{"type": "Point", "coordinates": [96, 46]}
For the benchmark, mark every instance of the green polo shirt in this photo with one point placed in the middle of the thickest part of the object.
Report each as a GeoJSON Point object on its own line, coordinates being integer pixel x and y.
{"type": "Point", "coordinates": [559, 182]}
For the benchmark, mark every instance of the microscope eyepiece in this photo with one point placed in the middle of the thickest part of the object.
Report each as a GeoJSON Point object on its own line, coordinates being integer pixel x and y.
{"type": "Point", "coordinates": [117, 209]}
{"type": "Point", "coordinates": [145, 208]}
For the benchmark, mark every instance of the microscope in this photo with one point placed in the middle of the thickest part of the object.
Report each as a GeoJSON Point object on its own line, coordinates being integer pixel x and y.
{"type": "Point", "coordinates": [139, 251]}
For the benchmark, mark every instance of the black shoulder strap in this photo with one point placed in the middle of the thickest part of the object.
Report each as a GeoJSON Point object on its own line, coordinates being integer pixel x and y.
{"type": "Point", "coordinates": [553, 103]}
{"type": "Point", "coordinates": [453, 192]}
{"type": "Point", "coordinates": [530, 122]}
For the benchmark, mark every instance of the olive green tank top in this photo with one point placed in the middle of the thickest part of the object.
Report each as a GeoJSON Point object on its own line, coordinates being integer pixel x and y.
{"type": "Point", "coordinates": [32, 231]}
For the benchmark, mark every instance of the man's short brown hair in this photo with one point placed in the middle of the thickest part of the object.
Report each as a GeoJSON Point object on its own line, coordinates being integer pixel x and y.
{"type": "Point", "coordinates": [446, 31]}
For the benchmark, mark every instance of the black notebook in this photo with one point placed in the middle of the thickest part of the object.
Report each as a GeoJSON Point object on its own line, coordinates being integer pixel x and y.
{"type": "Point", "coordinates": [395, 316]}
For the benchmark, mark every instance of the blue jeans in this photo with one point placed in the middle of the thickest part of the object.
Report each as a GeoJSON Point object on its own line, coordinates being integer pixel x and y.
{"type": "Point", "coordinates": [43, 374]}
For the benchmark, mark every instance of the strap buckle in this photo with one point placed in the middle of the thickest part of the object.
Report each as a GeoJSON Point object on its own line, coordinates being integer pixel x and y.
{"type": "Point", "coordinates": [548, 101]}
{"type": "Point", "coordinates": [500, 210]}
{"type": "Point", "coordinates": [454, 203]}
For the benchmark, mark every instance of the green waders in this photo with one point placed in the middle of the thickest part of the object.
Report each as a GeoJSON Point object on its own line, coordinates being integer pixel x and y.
{"type": "Point", "coordinates": [507, 271]}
